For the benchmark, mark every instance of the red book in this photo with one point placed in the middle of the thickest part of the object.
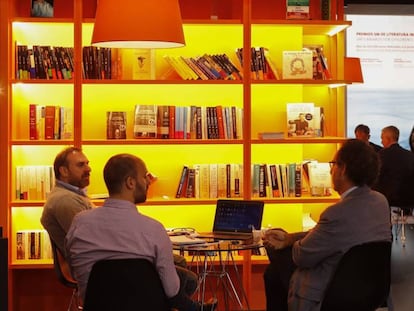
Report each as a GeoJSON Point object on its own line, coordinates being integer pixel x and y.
{"type": "Point", "coordinates": [171, 131]}
{"type": "Point", "coordinates": [50, 122]}
{"type": "Point", "coordinates": [33, 134]}
{"type": "Point", "coordinates": [220, 122]}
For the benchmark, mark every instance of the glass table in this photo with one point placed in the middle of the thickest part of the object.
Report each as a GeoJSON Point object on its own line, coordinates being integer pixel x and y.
{"type": "Point", "coordinates": [215, 263]}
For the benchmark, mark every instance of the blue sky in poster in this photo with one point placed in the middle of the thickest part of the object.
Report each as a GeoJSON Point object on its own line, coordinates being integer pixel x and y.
{"type": "Point", "coordinates": [385, 45]}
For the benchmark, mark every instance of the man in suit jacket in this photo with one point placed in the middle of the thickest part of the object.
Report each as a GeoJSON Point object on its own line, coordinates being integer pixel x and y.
{"type": "Point", "coordinates": [396, 178]}
{"type": "Point", "coordinates": [301, 264]}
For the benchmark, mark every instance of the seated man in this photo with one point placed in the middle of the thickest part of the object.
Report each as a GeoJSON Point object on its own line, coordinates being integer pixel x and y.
{"type": "Point", "coordinates": [301, 264]}
{"type": "Point", "coordinates": [117, 230]}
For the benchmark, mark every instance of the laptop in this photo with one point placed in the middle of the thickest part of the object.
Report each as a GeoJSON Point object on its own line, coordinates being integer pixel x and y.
{"type": "Point", "coordinates": [235, 220]}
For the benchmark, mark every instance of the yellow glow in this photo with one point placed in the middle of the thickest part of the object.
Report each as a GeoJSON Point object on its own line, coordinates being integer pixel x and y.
{"type": "Point", "coordinates": [39, 94]}
{"type": "Point", "coordinates": [58, 34]}
{"type": "Point", "coordinates": [98, 99]}
{"type": "Point", "coordinates": [161, 161]}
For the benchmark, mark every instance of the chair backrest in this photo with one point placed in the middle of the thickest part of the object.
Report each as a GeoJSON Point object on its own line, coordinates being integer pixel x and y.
{"type": "Point", "coordinates": [124, 284]}
{"type": "Point", "coordinates": [62, 268]}
{"type": "Point", "coordinates": [361, 281]}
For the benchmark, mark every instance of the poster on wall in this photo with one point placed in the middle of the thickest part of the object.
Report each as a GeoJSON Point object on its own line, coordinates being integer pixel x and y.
{"type": "Point", "coordinates": [385, 45]}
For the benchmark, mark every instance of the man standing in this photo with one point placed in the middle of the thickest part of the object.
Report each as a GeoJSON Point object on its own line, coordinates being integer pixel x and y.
{"type": "Point", "coordinates": [362, 132]}
{"type": "Point", "coordinates": [301, 264]}
{"type": "Point", "coordinates": [396, 178]}
{"type": "Point", "coordinates": [118, 230]}
{"type": "Point", "coordinates": [68, 197]}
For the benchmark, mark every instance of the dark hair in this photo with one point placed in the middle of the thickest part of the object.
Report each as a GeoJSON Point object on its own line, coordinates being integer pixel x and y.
{"type": "Point", "coordinates": [362, 128]}
{"type": "Point", "coordinates": [62, 159]}
{"type": "Point", "coordinates": [360, 160]}
{"type": "Point", "coordinates": [118, 168]}
{"type": "Point", "coordinates": [411, 140]}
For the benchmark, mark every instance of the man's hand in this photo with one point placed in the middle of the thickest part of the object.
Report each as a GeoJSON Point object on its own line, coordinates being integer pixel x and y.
{"type": "Point", "coordinates": [277, 239]}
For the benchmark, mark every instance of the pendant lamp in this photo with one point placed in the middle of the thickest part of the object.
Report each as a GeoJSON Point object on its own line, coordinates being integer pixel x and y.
{"type": "Point", "coordinates": [138, 24]}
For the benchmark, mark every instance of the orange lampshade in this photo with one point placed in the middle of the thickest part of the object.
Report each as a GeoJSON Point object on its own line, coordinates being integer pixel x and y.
{"type": "Point", "coordinates": [352, 70]}
{"type": "Point", "coordinates": [138, 24]}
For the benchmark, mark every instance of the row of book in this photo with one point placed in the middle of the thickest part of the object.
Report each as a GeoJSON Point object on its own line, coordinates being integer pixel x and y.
{"type": "Point", "coordinates": [178, 122]}
{"type": "Point", "coordinates": [51, 63]}
{"type": "Point", "coordinates": [33, 244]}
{"type": "Point", "coordinates": [50, 122]}
{"type": "Point", "coordinates": [291, 179]}
{"type": "Point", "coordinates": [34, 182]}
{"type": "Point", "coordinates": [206, 181]}
{"type": "Point", "coordinates": [44, 62]}
{"type": "Point", "coordinates": [205, 67]}
{"type": "Point", "coordinates": [262, 65]}
{"type": "Point", "coordinates": [275, 180]}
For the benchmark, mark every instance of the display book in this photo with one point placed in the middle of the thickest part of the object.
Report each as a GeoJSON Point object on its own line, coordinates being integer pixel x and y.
{"type": "Point", "coordinates": [305, 120]}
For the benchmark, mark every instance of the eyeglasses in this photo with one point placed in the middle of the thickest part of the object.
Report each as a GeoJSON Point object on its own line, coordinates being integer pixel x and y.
{"type": "Point", "coordinates": [332, 163]}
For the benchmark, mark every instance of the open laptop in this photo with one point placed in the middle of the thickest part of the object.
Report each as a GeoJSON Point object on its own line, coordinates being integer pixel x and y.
{"type": "Point", "coordinates": [235, 220]}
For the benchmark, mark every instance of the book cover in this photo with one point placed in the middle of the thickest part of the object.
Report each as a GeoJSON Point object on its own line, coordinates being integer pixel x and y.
{"type": "Point", "coordinates": [297, 9]}
{"type": "Point", "coordinates": [33, 133]}
{"type": "Point", "coordinates": [143, 64]}
{"type": "Point", "coordinates": [300, 119]}
{"type": "Point", "coordinates": [317, 68]}
{"type": "Point", "coordinates": [181, 183]}
{"type": "Point", "coordinates": [42, 8]}
{"type": "Point", "coordinates": [145, 121]}
{"type": "Point", "coordinates": [320, 178]}
{"type": "Point", "coordinates": [297, 64]}
{"type": "Point", "coordinates": [163, 122]}
{"type": "Point", "coordinates": [49, 122]}
{"type": "Point", "coordinates": [116, 124]}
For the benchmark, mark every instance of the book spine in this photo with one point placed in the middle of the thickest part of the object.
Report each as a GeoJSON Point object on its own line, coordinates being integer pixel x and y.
{"type": "Point", "coordinates": [298, 180]}
{"type": "Point", "coordinates": [181, 182]}
{"type": "Point", "coordinates": [213, 181]}
{"type": "Point", "coordinates": [33, 134]}
{"type": "Point", "coordinates": [190, 190]}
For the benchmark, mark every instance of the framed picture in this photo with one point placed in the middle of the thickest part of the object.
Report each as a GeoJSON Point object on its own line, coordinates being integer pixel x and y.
{"type": "Point", "coordinates": [42, 8]}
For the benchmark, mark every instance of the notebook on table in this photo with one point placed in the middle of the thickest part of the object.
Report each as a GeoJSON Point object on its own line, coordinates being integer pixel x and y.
{"type": "Point", "coordinates": [235, 220]}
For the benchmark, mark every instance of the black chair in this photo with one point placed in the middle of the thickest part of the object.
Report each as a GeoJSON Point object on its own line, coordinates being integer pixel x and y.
{"type": "Point", "coordinates": [64, 275]}
{"type": "Point", "coordinates": [361, 281]}
{"type": "Point", "coordinates": [125, 284]}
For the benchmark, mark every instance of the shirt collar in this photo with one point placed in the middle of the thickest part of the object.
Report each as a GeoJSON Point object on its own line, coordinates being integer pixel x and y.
{"type": "Point", "coordinates": [72, 188]}
{"type": "Point", "coordinates": [343, 195]}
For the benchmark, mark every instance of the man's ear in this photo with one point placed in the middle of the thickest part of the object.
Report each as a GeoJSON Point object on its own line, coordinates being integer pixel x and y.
{"type": "Point", "coordinates": [130, 182]}
{"type": "Point", "coordinates": [63, 170]}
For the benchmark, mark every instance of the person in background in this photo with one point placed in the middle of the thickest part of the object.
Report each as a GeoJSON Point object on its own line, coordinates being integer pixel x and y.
{"type": "Point", "coordinates": [301, 264]}
{"type": "Point", "coordinates": [118, 230]}
{"type": "Point", "coordinates": [362, 132]}
{"type": "Point", "coordinates": [411, 140]}
{"type": "Point", "coordinates": [396, 178]}
{"type": "Point", "coordinates": [68, 196]}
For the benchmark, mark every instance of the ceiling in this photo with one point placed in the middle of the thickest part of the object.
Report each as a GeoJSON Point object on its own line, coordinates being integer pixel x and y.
{"type": "Point", "coordinates": [380, 9]}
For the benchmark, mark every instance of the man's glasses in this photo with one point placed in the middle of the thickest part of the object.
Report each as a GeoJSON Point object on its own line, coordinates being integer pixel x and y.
{"type": "Point", "coordinates": [332, 163]}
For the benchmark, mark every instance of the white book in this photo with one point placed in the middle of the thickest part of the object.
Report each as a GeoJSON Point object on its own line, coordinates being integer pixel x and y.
{"type": "Point", "coordinates": [297, 65]}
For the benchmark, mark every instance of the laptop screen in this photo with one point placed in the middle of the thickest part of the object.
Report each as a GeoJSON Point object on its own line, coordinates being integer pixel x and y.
{"type": "Point", "coordinates": [238, 216]}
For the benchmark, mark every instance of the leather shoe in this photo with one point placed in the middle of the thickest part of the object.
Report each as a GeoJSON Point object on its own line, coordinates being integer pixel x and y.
{"type": "Point", "coordinates": [209, 305]}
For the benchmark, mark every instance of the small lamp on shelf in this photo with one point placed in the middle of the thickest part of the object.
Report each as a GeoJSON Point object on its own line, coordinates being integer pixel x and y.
{"type": "Point", "coordinates": [138, 24]}
{"type": "Point", "coordinates": [352, 70]}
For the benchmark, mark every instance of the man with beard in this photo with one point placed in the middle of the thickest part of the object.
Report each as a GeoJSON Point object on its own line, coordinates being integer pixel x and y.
{"type": "Point", "coordinates": [68, 197]}
{"type": "Point", "coordinates": [117, 230]}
